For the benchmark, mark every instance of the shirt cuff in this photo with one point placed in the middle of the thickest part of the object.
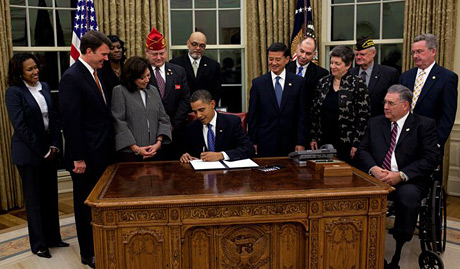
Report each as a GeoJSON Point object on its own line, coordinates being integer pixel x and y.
{"type": "Point", "coordinates": [404, 177]}
{"type": "Point", "coordinates": [48, 154]}
{"type": "Point", "coordinates": [226, 158]}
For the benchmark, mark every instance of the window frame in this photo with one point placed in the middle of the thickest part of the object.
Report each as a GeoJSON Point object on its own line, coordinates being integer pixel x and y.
{"type": "Point", "coordinates": [242, 46]}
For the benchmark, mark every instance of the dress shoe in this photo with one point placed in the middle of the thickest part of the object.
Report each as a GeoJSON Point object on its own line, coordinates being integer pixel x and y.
{"type": "Point", "coordinates": [60, 244]}
{"type": "Point", "coordinates": [393, 266]}
{"type": "Point", "coordinates": [43, 253]}
{"type": "Point", "coordinates": [88, 261]}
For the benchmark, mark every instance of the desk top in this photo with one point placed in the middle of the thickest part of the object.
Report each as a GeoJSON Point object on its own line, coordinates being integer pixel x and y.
{"type": "Point", "coordinates": [177, 183]}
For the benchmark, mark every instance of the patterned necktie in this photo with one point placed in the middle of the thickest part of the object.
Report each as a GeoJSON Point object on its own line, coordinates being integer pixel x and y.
{"type": "Point", "coordinates": [300, 71]}
{"type": "Point", "coordinates": [211, 138]}
{"type": "Point", "coordinates": [278, 90]}
{"type": "Point", "coordinates": [195, 67]}
{"type": "Point", "coordinates": [160, 82]}
{"type": "Point", "coordinates": [387, 161]}
{"type": "Point", "coordinates": [363, 76]}
{"type": "Point", "coordinates": [99, 86]}
{"type": "Point", "coordinates": [419, 82]}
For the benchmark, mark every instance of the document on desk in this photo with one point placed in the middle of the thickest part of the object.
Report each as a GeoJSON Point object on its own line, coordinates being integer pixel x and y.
{"type": "Point", "coordinates": [244, 163]}
{"type": "Point", "coordinates": [200, 165]}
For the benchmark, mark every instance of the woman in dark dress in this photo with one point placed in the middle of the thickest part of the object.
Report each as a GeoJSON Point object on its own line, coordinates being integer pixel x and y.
{"type": "Point", "coordinates": [111, 71]}
{"type": "Point", "coordinates": [341, 107]}
{"type": "Point", "coordinates": [35, 144]}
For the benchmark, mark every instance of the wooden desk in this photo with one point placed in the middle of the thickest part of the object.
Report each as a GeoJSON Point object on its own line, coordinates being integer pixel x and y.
{"type": "Point", "coordinates": [165, 215]}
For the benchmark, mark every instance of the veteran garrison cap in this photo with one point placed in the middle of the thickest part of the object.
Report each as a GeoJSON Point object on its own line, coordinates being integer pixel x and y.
{"type": "Point", "coordinates": [363, 43]}
{"type": "Point", "coordinates": [155, 40]}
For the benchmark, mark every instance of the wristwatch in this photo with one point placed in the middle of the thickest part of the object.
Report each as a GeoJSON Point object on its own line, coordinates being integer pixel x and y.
{"type": "Point", "coordinates": [402, 176]}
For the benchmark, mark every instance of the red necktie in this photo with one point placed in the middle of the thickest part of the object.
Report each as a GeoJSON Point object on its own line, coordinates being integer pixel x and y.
{"type": "Point", "coordinates": [387, 161]}
{"type": "Point", "coordinates": [99, 86]}
{"type": "Point", "coordinates": [160, 82]}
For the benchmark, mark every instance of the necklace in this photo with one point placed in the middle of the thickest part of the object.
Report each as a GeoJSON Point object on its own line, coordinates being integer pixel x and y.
{"type": "Point", "coordinates": [117, 71]}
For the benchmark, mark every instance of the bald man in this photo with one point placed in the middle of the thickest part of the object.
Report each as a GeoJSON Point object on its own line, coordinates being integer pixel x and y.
{"type": "Point", "coordinates": [203, 73]}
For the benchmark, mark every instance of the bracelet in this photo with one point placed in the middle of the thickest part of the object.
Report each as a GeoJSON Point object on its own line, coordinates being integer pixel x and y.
{"type": "Point", "coordinates": [138, 151]}
{"type": "Point", "coordinates": [161, 140]}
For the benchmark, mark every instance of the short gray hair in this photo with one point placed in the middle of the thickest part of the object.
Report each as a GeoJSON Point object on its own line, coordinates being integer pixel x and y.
{"type": "Point", "coordinates": [404, 93]}
{"type": "Point", "coordinates": [431, 40]}
{"type": "Point", "coordinates": [202, 95]}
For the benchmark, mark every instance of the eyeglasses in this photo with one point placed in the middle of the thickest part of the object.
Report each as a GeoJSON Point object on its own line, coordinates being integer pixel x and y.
{"type": "Point", "coordinates": [390, 103]}
{"type": "Point", "coordinates": [196, 44]}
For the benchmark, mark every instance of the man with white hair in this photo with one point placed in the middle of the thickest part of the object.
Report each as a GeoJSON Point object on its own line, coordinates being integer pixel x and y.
{"type": "Point", "coordinates": [378, 78]}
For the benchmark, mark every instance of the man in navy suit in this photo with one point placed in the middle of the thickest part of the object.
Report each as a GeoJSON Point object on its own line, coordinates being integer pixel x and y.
{"type": "Point", "coordinates": [400, 149]}
{"type": "Point", "coordinates": [378, 78]}
{"type": "Point", "coordinates": [214, 136]}
{"type": "Point", "coordinates": [171, 82]}
{"type": "Point", "coordinates": [86, 122]}
{"type": "Point", "coordinates": [434, 88]}
{"type": "Point", "coordinates": [277, 116]}
{"type": "Point", "coordinates": [203, 73]}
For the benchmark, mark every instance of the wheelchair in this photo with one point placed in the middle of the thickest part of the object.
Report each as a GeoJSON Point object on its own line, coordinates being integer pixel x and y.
{"type": "Point", "coordinates": [432, 226]}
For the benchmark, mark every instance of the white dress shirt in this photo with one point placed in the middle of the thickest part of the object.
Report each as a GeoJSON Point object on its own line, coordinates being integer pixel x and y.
{"type": "Point", "coordinates": [205, 134]}
{"type": "Point", "coordinates": [282, 78]}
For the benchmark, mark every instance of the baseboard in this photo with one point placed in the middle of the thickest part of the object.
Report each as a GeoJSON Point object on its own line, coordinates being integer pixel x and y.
{"type": "Point", "coordinates": [64, 182]}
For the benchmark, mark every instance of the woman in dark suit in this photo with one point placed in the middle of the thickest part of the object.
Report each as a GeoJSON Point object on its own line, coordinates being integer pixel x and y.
{"type": "Point", "coordinates": [341, 107]}
{"type": "Point", "coordinates": [140, 121]}
{"type": "Point", "coordinates": [35, 144]}
{"type": "Point", "coordinates": [110, 72]}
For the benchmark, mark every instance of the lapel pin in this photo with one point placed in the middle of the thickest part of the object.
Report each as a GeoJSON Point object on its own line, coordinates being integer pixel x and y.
{"type": "Point", "coordinates": [408, 129]}
{"type": "Point", "coordinates": [433, 77]}
{"type": "Point", "coordinates": [205, 64]}
{"type": "Point", "coordinates": [220, 131]}
{"type": "Point", "coordinates": [290, 84]}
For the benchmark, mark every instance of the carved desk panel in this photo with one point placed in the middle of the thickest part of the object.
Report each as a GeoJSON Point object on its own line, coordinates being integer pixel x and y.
{"type": "Point", "coordinates": [166, 215]}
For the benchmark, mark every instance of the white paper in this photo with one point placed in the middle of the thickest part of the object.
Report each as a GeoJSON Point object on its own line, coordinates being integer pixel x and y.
{"type": "Point", "coordinates": [245, 163]}
{"type": "Point", "coordinates": [200, 165]}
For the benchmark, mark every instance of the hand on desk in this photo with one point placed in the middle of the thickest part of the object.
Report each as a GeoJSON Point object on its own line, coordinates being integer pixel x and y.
{"type": "Point", "coordinates": [186, 158]}
{"type": "Point", "coordinates": [386, 176]}
{"type": "Point", "coordinates": [299, 148]}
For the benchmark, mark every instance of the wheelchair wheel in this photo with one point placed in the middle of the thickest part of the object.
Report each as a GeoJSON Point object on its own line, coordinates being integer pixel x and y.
{"type": "Point", "coordinates": [430, 260]}
{"type": "Point", "coordinates": [439, 219]}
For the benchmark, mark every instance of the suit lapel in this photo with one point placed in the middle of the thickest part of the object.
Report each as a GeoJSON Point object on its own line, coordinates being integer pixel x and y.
{"type": "Point", "coordinates": [202, 67]}
{"type": "Point", "coordinates": [169, 87]}
{"type": "Point", "coordinates": [188, 65]}
{"type": "Point", "coordinates": [375, 75]}
{"type": "Point", "coordinates": [405, 130]}
{"type": "Point", "coordinates": [287, 88]}
{"type": "Point", "coordinates": [219, 135]}
{"type": "Point", "coordinates": [429, 82]}
{"type": "Point", "coordinates": [386, 130]}
{"type": "Point", "coordinates": [90, 79]}
{"type": "Point", "coordinates": [271, 90]}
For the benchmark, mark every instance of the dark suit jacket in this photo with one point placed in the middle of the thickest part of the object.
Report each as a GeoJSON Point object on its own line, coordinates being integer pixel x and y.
{"type": "Point", "coordinates": [277, 130]}
{"type": "Point", "coordinates": [382, 77]}
{"type": "Point", "coordinates": [416, 151]}
{"type": "Point", "coordinates": [438, 99]}
{"type": "Point", "coordinates": [86, 119]}
{"type": "Point", "coordinates": [31, 142]}
{"type": "Point", "coordinates": [230, 138]}
{"type": "Point", "coordinates": [177, 94]}
{"type": "Point", "coordinates": [313, 74]}
{"type": "Point", "coordinates": [207, 77]}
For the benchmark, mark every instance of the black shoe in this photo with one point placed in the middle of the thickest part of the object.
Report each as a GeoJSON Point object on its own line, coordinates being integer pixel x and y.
{"type": "Point", "coordinates": [393, 266]}
{"type": "Point", "coordinates": [60, 244]}
{"type": "Point", "coordinates": [43, 253]}
{"type": "Point", "coordinates": [88, 261]}
{"type": "Point", "coordinates": [385, 264]}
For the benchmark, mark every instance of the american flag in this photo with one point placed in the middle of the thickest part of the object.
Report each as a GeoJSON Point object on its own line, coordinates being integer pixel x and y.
{"type": "Point", "coordinates": [85, 20]}
{"type": "Point", "coordinates": [303, 25]}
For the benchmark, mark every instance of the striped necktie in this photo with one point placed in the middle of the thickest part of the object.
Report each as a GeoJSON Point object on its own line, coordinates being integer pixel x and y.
{"type": "Point", "coordinates": [99, 86]}
{"type": "Point", "coordinates": [160, 82]}
{"type": "Point", "coordinates": [300, 71]}
{"type": "Point", "coordinates": [387, 161]}
{"type": "Point", "coordinates": [419, 82]}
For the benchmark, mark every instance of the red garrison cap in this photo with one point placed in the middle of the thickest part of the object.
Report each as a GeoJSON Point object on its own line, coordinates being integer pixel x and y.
{"type": "Point", "coordinates": [155, 40]}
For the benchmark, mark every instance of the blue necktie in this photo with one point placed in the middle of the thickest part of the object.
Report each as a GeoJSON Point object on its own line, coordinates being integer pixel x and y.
{"type": "Point", "coordinates": [300, 71]}
{"type": "Point", "coordinates": [211, 138]}
{"type": "Point", "coordinates": [278, 91]}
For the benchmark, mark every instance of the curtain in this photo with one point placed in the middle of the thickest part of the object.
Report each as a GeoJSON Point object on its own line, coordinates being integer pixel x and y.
{"type": "Point", "coordinates": [10, 182]}
{"type": "Point", "coordinates": [437, 17]}
{"type": "Point", "coordinates": [132, 21]}
{"type": "Point", "coordinates": [270, 21]}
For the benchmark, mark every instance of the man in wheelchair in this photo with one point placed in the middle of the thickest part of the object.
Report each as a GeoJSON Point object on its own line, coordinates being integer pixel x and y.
{"type": "Point", "coordinates": [400, 149]}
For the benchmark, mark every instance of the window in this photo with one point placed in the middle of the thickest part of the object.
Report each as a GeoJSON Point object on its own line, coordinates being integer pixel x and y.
{"type": "Point", "coordinates": [44, 27]}
{"type": "Point", "coordinates": [221, 22]}
{"type": "Point", "coordinates": [383, 20]}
